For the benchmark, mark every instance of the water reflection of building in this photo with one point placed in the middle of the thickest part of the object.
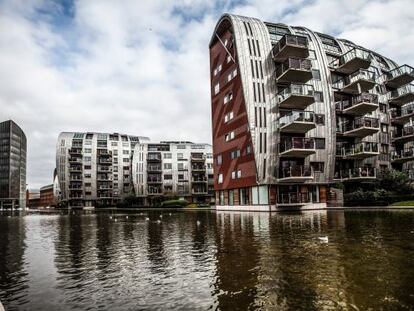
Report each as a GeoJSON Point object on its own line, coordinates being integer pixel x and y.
{"type": "Point", "coordinates": [13, 274]}
{"type": "Point", "coordinates": [276, 261]}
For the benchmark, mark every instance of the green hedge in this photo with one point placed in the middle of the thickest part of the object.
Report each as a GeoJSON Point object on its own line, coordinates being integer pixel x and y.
{"type": "Point", "coordinates": [174, 203]}
{"type": "Point", "coordinates": [379, 197]}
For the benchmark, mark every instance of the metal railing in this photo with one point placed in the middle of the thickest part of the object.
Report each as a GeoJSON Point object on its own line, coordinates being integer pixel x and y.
{"type": "Point", "coordinates": [293, 63]}
{"type": "Point", "coordinates": [296, 89]}
{"type": "Point", "coordinates": [403, 90]}
{"type": "Point", "coordinates": [402, 154]}
{"type": "Point", "coordinates": [296, 171]}
{"type": "Point", "coordinates": [406, 131]}
{"type": "Point", "coordinates": [406, 110]}
{"type": "Point", "coordinates": [297, 116]}
{"type": "Point", "coordinates": [356, 100]}
{"type": "Point", "coordinates": [363, 147]}
{"type": "Point", "coordinates": [288, 39]}
{"type": "Point", "coordinates": [293, 198]}
{"type": "Point", "coordinates": [360, 123]}
{"type": "Point", "coordinates": [350, 55]}
{"type": "Point", "coordinates": [360, 74]}
{"type": "Point", "coordinates": [404, 69]}
{"type": "Point", "coordinates": [288, 143]}
{"type": "Point", "coordinates": [359, 172]}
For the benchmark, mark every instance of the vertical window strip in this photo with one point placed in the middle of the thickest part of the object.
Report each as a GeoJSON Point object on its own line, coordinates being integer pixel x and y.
{"type": "Point", "coordinates": [264, 117]}
{"type": "Point", "coordinates": [255, 116]}
{"type": "Point", "coordinates": [265, 142]}
{"type": "Point", "coordinates": [257, 68]}
{"type": "Point", "coordinates": [250, 27]}
{"type": "Point", "coordinates": [264, 167]}
{"type": "Point", "coordinates": [250, 48]}
{"type": "Point", "coordinates": [258, 48]}
{"type": "Point", "coordinates": [254, 91]}
{"type": "Point", "coordinates": [261, 69]}
{"type": "Point", "coordinates": [251, 63]}
{"type": "Point", "coordinates": [260, 143]}
{"type": "Point", "coordinates": [260, 117]}
{"type": "Point", "coordinates": [254, 48]}
{"type": "Point", "coordinates": [245, 27]}
{"type": "Point", "coordinates": [263, 91]}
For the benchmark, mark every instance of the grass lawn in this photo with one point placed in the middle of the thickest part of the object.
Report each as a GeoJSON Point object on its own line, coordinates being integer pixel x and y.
{"type": "Point", "coordinates": [403, 203]}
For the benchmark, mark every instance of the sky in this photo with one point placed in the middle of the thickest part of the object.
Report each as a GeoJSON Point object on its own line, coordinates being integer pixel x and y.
{"type": "Point", "coordinates": [141, 67]}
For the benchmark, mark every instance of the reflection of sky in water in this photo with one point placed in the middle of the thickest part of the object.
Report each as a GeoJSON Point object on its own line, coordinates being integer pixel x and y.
{"type": "Point", "coordinates": [196, 260]}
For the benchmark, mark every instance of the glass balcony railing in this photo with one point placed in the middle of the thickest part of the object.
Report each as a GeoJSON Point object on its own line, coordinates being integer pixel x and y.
{"type": "Point", "coordinates": [356, 173]}
{"type": "Point", "coordinates": [407, 154]}
{"type": "Point", "coordinates": [296, 171]}
{"type": "Point", "coordinates": [407, 131]}
{"type": "Point", "coordinates": [402, 95]}
{"type": "Point", "coordinates": [404, 114]}
{"type": "Point", "coordinates": [361, 80]}
{"type": "Point", "coordinates": [296, 96]}
{"type": "Point", "coordinates": [352, 60]}
{"type": "Point", "coordinates": [290, 45]}
{"type": "Point", "coordinates": [345, 105]}
{"type": "Point", "coordinates": [294, 70]}
{"type": "Point", "coordinates": [363, 149]}
{"type": "Point", "coordinates": [288, 143]}
{"type": "Point", "coordinates": [297, 116]}
{"type": "Point", "coordinates": [399, 76]}
{"type": "Point", "coordinates": [360, 127]}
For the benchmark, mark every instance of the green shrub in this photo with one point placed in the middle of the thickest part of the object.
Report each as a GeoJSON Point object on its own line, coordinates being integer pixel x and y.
{"type": "Point", "coordinates": [174, 203]}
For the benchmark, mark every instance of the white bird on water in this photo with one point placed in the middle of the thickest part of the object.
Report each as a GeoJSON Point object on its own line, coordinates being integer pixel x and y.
{"type": "Point", "coordinates": [169, 214]}
{"type": "Point", "coordinates": [323, 239]}
{"type": "Point", "coordinates": [146, 218]}
{"type": "Point", "coordinates": [158, 221]}
{"type": "Point", "coordinates": [126, 217]}
{"type": "Point", "coordinates": [198, 222]}
{"type": "Point", "coordinates": [160, 216]}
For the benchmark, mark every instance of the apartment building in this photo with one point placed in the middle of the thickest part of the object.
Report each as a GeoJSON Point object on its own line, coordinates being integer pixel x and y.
{"type": "Point", "coordinates": [13, 149]}
{"type": "Point", "coordinates": [295, 111]}
{"type": "Point", "coordinates": [173, 169]}
{"type": "Point", "coordinates": [94, 169]}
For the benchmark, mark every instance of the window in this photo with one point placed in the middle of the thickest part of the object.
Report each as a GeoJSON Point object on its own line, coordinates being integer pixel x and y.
{"type": "Point", "coordinates": [125, 160]}
{"type": "Point", "coordinates": [88, 175]}
{"type": "Point", "coordinates": [239, 174]}
{"type": "Point", "coordinates": [318, 167]}
{"type": "Point", "coordinates": [383, 108]}
{"type": "Point", "coordinates": [180, 156]}
{"type": "Point", "coordinates": [384, 128]}
{"type": "Point", "coordinates": [88, 150]}
{"type": "Point", "coordinates": [167, 177]}
{"type": "Point", "coordinates": [228, 117]}
{"type": "Point", "coordinates": [319, 119]}
{"type": "Point", "coordinates": [181, 146]}
{"type": "Point", "coordinates": [318, 96]}
{"type": "Point", "coordinates": [168, 155]}
{"type": "Point", "coordinates": [235, 154]}
{"type": "Point", "coordinates": [219, 159]}
{"type": "Point", "coordinates": [88, 184]}
{"type": "Point", "coordinates": [231, 75]}
{"type": "Point", "coordinates": [231, 197]}
{"type": "Point", "coordinates": [228, 59]}
{"type": "Point", "coordinates": [216, 88]}
{"type": "Point", "coordinates": [319, 143]}
{"type": "Point", "coordinates": [115, 152]}
{"type": "Point", "coordinates": [316, 75]}
{"type": "Point", "coordinates": [114, 144]}
{"type": "Point", "coordinates": [180, 166]}
{"type": "Point", "coordinates": [229, 136]}
{"type": "Point", "coordinates": [228, 97]}
{"type": "Point", "coordinates": [87, 167]}
{"type": "Point", "coordinates": [217, 70]}
{"type": "Point", "coordinates": [248, 149]}
{"type": "Point", "coordinates": [168, 166]}
{"type": "Point", "coordinates": [125, 151]}
{"type": "Point", "coordinates": [233, 175]}
{"type": "Point", "coordinates": [220, 178]}
{"type": "Point", "coordinates": [87, 159]}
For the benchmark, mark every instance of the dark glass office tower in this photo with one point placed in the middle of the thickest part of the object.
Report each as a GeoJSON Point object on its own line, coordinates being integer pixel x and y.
{"type": "Point", "coordinates": [13, 148]}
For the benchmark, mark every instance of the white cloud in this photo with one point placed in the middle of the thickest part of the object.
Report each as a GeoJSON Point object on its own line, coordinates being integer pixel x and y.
{"type": "Point", "coordinates": [142, 67]}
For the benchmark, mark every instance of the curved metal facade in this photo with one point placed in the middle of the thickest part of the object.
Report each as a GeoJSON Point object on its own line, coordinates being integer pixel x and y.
{"type": "Point", "coordinates": [333, 111]}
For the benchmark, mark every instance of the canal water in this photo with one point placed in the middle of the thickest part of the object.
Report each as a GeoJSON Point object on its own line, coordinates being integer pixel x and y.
{"type": "Point", "coordinates": [206, 260]}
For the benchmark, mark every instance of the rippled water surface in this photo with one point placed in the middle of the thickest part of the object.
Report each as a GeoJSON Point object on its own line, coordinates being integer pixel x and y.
{"type": "Point", "coordinates": [201, 260]}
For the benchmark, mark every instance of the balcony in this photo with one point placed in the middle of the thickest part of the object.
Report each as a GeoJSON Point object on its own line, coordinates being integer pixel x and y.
{"type": "Point", "coordinates": [197, 157]}
{"type": "Point", "coordinates": [75, 196]}
{"type": "Point", "coordinates": [76, 177]}
{"type": "Point", "coordinates": [154, 157]}
{"type": "Point", "coordinates": [296, 96]}
{"type": "Point", "coordinates": [104, 153]}
{"type": "Point", "coordinates": [198, 168]}
{"type": "Point", "coordinates": [154, 180]}
{"type": "Point", "coordinates": [154, 190]}
{"type": "Point", "coordinates": [104, 187]}
{"type": "Point", "coordinates": [75, 168]}
{"type": "Point", "coordinates": [104, 161]}
{"type": "Point", "coordinates": [297, 122]}
{"type": "Point", "coordinates": [358, 105]}
{"type": "Point", "coordinates": [403, 156]}
{"type": "Point", "coordinates": [399, 76]}
{"type": "Point", "coordinates": [103, 178]}
{"type": "Point", "coordinates": [196, 180]}
{"type": "Point", "coordinates": [356, 174]}
{"type": "Point", "coordinates": [405, 135]}
{"type": "Point", "coordinates": [104, 169]}
{"type": "Point", "coordinates": [75, 187]}
{"type": "Point", "coordinates": [290, 46]}
{"type": "Point", "coordinates": [356, 83]}
{"type": "Point", "coordinates": [294, 70]}
{"type": "Point", "coordinates": [361, 127]}
{"type": "Point", "coordinates": [404, 115]}
{"type": "Point", "coordinates": [293, 199]}
{"type": "Point", "coordinates": [402, 95]}
{"type": "Point", "coordinates": [199, 191]}
{"type": "Point", "coordinates": [295, 173]}
{"type": "Point", "coordinates": [75, 151]}
{"type": "Point", "coordinates": [154, 168]}
{"type": "Point", "coordinates": [75, 160]}
{"type": "Point", "coordinates": [358, 151]}
{"type": "Point", "coordinates": [296, 147]}
{"type": "Point", "coordinates": [352, 61]}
